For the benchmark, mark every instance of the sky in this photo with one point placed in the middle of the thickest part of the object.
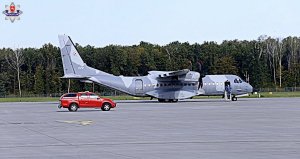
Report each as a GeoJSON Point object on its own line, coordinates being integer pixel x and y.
{"type": "Point", "coordinates": [127, 22]}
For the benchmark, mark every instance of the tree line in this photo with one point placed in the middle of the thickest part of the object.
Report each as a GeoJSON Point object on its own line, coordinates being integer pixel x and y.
{"type": "Point", "coordinates": [265, 62]}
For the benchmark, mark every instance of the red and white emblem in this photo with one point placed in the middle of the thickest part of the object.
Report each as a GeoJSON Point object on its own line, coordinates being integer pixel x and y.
{"type": "Point", "coordinates": [12, 12]}
{"type": "Point", "coordinates": [12, 8]}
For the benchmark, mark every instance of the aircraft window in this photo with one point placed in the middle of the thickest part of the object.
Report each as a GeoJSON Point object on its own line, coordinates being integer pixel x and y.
{"type": "Point", "coordinates": [185, 84]}
{"type": "Point", "coordinates": [209, 84]}
{"type": "Point", "coordinates": [240, 81]}
{"type": "Point", "coordinates": [165, 84]}
{"type": "Point", "coordinates": [157, 85]}
{"type": "Point", "coordinates": [217, 83]}
{"type": "Point", "coordinates": [193, 84]}
{"type": "Point", "coordinates": [213, 84]}
{"type": "Point", "coordinates": [221, 83]}
{"type": "Point", "coordinates": [189, 84]}
{"type": "Point", "coordinates": [205, 84]}
{"type": "Point", "coordinates": [169, 84]}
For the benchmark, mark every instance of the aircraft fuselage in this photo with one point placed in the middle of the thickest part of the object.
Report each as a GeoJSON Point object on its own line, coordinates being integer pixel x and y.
{"type": "Point", "coordinates": [164, 85]}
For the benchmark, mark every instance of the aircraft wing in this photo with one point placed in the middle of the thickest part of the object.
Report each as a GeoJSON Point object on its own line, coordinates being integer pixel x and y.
{"type": "Point", "coordinates": [173, 73]}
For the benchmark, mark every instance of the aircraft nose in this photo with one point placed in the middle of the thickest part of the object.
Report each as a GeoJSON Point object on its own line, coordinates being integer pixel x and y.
{"type": "Point", "coordinates": [250, 89]}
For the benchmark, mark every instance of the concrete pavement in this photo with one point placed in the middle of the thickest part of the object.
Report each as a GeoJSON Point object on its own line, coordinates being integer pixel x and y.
{"type": "Point", "coordinates": [193, 129]}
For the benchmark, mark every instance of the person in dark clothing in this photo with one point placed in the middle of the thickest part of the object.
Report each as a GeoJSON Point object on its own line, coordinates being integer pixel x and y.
{"type": "Point", "coordinates": [199, 69]}
{"type": "Point", "coordinates": [228, 89]}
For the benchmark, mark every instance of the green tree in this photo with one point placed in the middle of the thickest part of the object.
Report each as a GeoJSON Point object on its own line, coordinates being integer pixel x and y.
{"type": "Point", "coordinates": [39, 86]}
{"type": "Point", "coordinates": [15, 60]}
{"type": "Point", "coordinates": [2, 84]}
{"type": "Point", "coordinates": [226, 65]}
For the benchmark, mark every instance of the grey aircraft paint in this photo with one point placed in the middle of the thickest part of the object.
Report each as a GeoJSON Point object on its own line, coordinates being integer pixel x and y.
{"type": "Point", "coordinates": [164, 85]}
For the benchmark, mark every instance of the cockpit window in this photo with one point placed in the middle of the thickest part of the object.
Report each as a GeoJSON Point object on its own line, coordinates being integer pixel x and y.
{"type": "Point", "coordinates": [236, 81]}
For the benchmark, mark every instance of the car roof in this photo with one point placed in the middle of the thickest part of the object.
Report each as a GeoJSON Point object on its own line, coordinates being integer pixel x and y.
{"type": "Point", "coordinates": [86, 92]}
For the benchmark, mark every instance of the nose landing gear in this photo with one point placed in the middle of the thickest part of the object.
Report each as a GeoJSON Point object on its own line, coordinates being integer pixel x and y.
{"type": "Point", "coordinates": [234, 98]}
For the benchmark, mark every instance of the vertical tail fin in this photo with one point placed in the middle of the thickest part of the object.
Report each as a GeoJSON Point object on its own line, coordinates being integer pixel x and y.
{"type": "Point", "coordinates": [70, 56]}
{"type": "Point", "coordinates": [73, 65]}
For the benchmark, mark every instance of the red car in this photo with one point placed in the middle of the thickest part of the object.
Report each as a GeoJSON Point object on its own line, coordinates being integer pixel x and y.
{"type": "Point", "coordinates": [73, 101]}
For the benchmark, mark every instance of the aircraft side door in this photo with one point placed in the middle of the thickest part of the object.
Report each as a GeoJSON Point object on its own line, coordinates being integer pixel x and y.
{"type": "Point", "coordinates": [139, 86]}
{"type": "Point", "coordinates": [83, 100]}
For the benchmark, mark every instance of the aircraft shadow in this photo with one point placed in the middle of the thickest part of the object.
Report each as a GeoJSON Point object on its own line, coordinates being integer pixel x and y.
{"type": "Point", "coordinates": [180, 101]}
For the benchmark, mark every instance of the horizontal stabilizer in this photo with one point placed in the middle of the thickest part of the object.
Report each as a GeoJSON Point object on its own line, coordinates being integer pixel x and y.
{"type": "Point", "coordinates": [74, 76]}
{"type": "Point", "coordinates": [86, 81]}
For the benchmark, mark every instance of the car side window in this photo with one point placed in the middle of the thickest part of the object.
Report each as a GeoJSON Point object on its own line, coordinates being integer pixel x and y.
{"type": "Point", "coordinates": [84, 95]}
{"type": "Point", "coordinates": [70, 95]}
{"type": "Point", "coordinates": [94, 96]}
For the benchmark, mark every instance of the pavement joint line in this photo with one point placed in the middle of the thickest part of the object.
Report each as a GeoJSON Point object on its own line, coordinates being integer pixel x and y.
{"type": "Point", "coordinates": [20, 125]}
{"type": "Point", "coordinates": [80, 122]}
{"type": "Point", "coordinates": [46, 135]}
{"type": "Point", "coordinates": [152, 143]}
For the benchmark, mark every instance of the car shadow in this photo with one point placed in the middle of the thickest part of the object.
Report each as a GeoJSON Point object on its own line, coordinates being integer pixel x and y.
{"type": "Point", "coordinates": [82, 110]}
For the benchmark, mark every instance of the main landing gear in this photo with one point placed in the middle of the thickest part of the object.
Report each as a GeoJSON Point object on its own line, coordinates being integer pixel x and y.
{"type": "Point", "coordinates": [167, 100]}
{"type": "Point", "coordinates": [232, 97]}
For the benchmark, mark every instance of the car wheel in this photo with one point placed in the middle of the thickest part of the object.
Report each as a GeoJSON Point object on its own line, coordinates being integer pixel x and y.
{"type": "Point", "coordinates": [106, 107]}
{"type": "Point", "coordinates": [73, 107]}
{"type": "Point", "coordinates": [234, 98]}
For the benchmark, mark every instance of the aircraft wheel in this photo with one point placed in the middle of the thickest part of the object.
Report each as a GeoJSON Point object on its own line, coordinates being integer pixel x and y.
{"type": "Point", "coordinates": [106, 107]}
{"type": "Point", "coordinates": [73, 107]}
{"type": "Point", "coordinates": [161, 100]}
{"type": "Point", "coordinates": [234, 98]}
{"type": "Point", "coordinates": [175, 100]}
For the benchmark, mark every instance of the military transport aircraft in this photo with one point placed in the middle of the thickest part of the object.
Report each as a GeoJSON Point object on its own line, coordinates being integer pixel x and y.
{"type": "Point", "coordinates": [166, 86]}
